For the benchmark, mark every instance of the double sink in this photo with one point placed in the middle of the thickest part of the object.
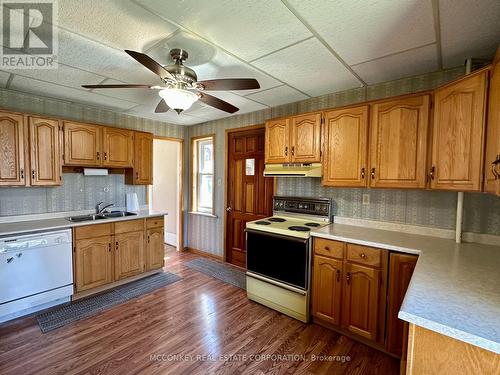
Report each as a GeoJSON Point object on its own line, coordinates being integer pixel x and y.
{"type": "Point", "coordinates": [101, 216]}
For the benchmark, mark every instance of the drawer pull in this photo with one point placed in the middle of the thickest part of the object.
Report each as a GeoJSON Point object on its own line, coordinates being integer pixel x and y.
{"type": "Point", "coordinates": [348, 278]}
{"type": "Point", "coordinates": [338, 275]}
{"type": "Point", "coordinates": [327, 248]}
{"type": "Point", "coordinates": [362, 255]}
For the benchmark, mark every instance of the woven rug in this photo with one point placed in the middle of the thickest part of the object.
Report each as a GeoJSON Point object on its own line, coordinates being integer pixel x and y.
{"type": "Point", "coordinates": [220, 271]}
{"type": "Point", "coordinates": [86, 307]}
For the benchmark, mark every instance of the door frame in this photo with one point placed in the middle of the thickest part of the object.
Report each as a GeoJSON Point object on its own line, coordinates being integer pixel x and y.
{"type": "Point", "coordinates": [180, 214]}
{"type": "Point", "coordinates": [228, 132]}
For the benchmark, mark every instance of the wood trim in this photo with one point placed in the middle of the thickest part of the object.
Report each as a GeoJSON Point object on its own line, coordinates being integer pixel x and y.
{"type": "Point", "coordinates": [203, 253]}
{"type": "Point", "coordinates": [194, 180]}
{"type": "Point", "coordinates": [244, 128]}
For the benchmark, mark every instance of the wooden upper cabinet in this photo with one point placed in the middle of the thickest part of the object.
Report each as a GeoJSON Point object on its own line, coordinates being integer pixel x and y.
{"type": "Point", "coordinates": [93, 262]}
{"type": "Point", "coordinates": [45, 146]}
{"type": "Point", "coordinates": [492, 158]}
{"type": "Point", "coordinates": [142, 173]}
{"type": "Point", "coordinates": [13, 145]}
{"type": "Point", "coordinates": [327, 288]}
{"type": "Point", "coordinates": [118, 147]}
{"type": "Point", "coordinates": [345, 153]}
{"type": "Point", "coordinates": [82, 144]}
{"type": "Point", "coordinates": [398, 149]}
{"type": "Point", "coordinates": [277, 141]}
{"type": "Point", "coordinates": [361, 300]}
{"type": "Point", "coordinates": [458, 134]}
{"type": "Point", "coordinates": [306, 138]}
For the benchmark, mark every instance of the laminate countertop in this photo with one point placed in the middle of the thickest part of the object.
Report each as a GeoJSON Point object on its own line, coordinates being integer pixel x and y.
{"type": "Point", "coordinates": [22, 227]}
{"type": "Point", "coordinates": [455, 288]}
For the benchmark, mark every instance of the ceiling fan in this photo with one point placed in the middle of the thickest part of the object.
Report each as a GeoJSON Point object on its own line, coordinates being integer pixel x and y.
{"type": "Point", "coordinates": [181, 86]}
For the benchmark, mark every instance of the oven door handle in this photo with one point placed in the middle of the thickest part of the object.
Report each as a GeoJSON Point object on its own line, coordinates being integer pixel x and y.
{"type": "Point", "coordinates": [290, 238]}
{"type": "Point", "coordinates": [277, 283]}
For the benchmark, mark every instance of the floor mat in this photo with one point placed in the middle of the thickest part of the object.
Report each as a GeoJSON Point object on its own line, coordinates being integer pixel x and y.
{"type": "Point", "coordinates": [220, 271]}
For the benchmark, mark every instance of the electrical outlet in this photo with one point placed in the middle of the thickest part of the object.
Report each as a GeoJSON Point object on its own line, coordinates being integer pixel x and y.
{"type": "Point", "coordinates": [366, 199]}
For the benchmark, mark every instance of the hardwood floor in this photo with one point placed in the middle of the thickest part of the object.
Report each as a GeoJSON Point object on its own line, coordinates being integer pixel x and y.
{"type": "Point", "coordinates": [168, 332]}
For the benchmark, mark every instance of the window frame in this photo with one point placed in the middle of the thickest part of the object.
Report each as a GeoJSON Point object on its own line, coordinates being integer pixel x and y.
{"type": "Point", "coordinates": [195, 177]}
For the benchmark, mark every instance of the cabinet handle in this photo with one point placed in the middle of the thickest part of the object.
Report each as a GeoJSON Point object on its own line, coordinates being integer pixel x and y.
{"type": "Point", "coordinates": [373, 172]}
{"type": "Point", "coordinates": [293, 150]}
{"type": "Point", "coordinates": [33, 174]}
{"type": "Point", "coordinates": [362, 173]}
{"type": "Point", "coordinates": [286, 151]}
{"type": "Point", "coordinates": [109, 246]}
{"type": "Point", "coordinates": [494, 167]}
{"type": "Point", "coordinates": [348, 278]}
{"type": "Point", "coordinates": [105, 156]}
{"type": "Point", "coordinates": [327, 248]}
{"type": "Point", "coordinates": [362, 255]}
{"type": "Point", "coordinates": [136, 175]}
{"type": "Point", "coordinates": [338, 275]}
{"type": "Point", "coordinates": [432, 171]}
{"type": "Point", "coordinates": [116, 245]}
{"type": "Point", "coordinates": [22, 174]}
{"type": "Point", "coordinates": [149, 239]}
{"type": "Point", "coordinates": [97, 154]}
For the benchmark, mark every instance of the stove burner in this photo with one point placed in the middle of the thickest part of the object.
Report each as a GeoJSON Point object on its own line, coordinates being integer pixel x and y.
{"type": "Point", "coordinates": [276, 219]}
{"type": "Point", "coordinates": [263, 223]}
{"type": "Point", "coordinates": [311, 224]}
{"type": "Point", "coordinates": [299, 228]}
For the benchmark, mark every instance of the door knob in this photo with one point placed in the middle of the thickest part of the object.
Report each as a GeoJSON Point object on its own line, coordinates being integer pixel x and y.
{"type": "Point", "coordinates": [229, 209]}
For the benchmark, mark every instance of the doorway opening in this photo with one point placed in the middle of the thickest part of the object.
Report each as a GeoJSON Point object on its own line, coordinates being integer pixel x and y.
{"type": "Point", "coordinates": [166, 192]}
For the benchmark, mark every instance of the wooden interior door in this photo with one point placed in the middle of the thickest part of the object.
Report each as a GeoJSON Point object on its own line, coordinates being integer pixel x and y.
{"type": "Point", "coordinates": [93, 262]}
{"type": "Point", "coordinates": [361, 300]}
{"type": "Point", "coordinates": [458, 134]}
{"type": "Point", "coordinates": [306, 138]}
{"type": "Point", "coordinates": [249, 193]}
{"type": "Point", "coordinates": [45, 143]}
{"type": "Point", "coordinates": [118, 147]}
{"type": "Point", "coordinates": [346, 137]}
{"type": "Point", "coordinates": [327, 289]}
{"type": "Point", "coordinates": [398, 134]}
{"type": "Point", "coordinates": [13, 139]}
{"type": "Point", "coordinates": [129, 254]}
{"type": "Point", "coordinates": [277, 141]}
{"type": "Point", "coordinates": [82, 144]}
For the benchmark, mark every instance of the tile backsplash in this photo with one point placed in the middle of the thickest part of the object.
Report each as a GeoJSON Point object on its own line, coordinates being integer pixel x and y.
{"type": "Point", "coordinates": [76, 193]}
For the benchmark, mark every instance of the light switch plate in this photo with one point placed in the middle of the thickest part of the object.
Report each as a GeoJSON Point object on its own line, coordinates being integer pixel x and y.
{"type": "Point", "coordinates": [366, 199]}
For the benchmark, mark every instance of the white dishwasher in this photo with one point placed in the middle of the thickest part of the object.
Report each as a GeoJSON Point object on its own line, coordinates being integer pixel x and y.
{"type": "Point", "coordinates": [36, 272]}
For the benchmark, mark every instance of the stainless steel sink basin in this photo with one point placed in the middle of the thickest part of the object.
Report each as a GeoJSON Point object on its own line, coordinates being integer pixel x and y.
{"type": "Point", "coordinates": [104, 215]}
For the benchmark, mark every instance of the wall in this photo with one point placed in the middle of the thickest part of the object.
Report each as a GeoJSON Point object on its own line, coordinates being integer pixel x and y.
{"type": "Point", "coordinates": [418, 207]}
{"type": "Point", "coordinates": [74, 194]}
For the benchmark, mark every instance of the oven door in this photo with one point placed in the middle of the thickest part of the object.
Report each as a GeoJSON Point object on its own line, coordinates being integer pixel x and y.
{"type": "Point", "coordinates": [284, 259]}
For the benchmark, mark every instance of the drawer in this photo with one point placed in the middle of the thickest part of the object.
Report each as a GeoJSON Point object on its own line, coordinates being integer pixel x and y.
{"type": "Point", "coordinates": [329, 248]}
{"type": "Point", "coordinates": [129, 226]}
{"type": "Point", "coordinates": [365, 255]}
{"type": "Point", "coordinates": [91, 231]}
{"type": "Point", "coordinates": [155, 222]}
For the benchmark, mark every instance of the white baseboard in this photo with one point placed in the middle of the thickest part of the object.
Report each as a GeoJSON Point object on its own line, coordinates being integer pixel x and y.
{"type": "Point", "coordinates": [171, 238]}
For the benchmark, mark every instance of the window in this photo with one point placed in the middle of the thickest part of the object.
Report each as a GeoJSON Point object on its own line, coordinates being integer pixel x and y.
{"type": "Point", "coordinates": [203, 174]}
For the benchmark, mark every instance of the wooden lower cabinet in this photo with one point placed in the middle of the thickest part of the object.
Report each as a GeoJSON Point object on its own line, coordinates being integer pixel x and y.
{"type": "Point", "coordinates": [327, 289]}
{"type": "Point", "coordinates": [360, 302]}
{"type": "Point", "coordinates": [93, 260]}
{"type": "Point", "coordinates": [129, 254]}
{"type": "Point", "coordinates": [155, 250]}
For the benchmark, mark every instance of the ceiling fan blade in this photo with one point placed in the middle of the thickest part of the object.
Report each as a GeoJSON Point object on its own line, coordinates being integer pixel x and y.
{"type": "Point", "coordinates": [230, 84]}
{"type": "Point", "coordinates": [121, 86]}
{"type": "Point", "coordinates": [162, 107]}
{"type": "Point", "coordinates": [217, 103]}
{"type": "Point", "coordinates": [149, 63]}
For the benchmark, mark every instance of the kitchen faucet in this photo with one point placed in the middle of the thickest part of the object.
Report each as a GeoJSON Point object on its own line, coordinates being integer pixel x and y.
{"type": "Point", "coordinates": [99, 210]}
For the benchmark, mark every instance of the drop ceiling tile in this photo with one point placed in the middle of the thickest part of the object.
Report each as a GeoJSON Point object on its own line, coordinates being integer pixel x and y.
{"type": "Point", "coordinates": [171, 117]}
{"type": "Point", "coordinates": [405, 64]}
{"type": "Point", "coordinates": [248, 29]}
{"type": "Point", "coordinates": [245, 105]}
{"type": "Point", "coordinates": [208, 114]}
{"type": "Point", "coordinates": [309, 67]}
{"type": "Point", "coordinates": [468, 29]}
{"type": "Point", "coordinates": [117, 23]}
{"type": "Point", "coordinates": [37, 87]}
{"type": "Point", "coordinates": [360, 30]}
{"type": "Point", "coordinates": [209, 62]}
{"type": "Point", "coordinates": [141, 96]}
{"type": "Point", "coordinates": [277, 96]}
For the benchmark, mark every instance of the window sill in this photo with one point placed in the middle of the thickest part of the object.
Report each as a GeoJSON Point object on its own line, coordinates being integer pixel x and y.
{"type": "Point", "coordinates": [202, 214]}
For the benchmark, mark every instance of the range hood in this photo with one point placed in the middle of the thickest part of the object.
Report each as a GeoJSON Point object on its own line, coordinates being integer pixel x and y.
{"type": "Point", "coordinates": [293, 170]}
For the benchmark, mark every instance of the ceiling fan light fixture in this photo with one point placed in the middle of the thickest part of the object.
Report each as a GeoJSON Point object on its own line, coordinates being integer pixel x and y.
{"type": "Point", "coordinates": [178, 99]}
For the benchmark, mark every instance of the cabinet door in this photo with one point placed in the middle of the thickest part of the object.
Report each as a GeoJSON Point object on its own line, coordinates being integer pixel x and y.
{"type": "Point", "coordinates": [458, 135]}
{"type": "Point", "coordinates": [277, 141]}
{"type": "Point", "coordinates": [346, 136]}
{"type": "Point", "coordinates": [45, 143]}
{"type": "Point", "coordinates": [398, 134]}
{"type": "Point", "coordinates": [155, 249]}
{"type": "Point", "coordinates": [118, 147]}
{"type": "Point", "coordinates": [82, 144]}
{"type": "Point", "coordinates": [326, 289]}
{"type": "Point", "coordinates": [401, 268]}
{"type": "Point", "coordinates": [13, 137]}
{"type": "Point", "coordinates": [92, 262]}
{"type": "Point", "coordinates": [129, 254]}
{"type": "Point", "coordinates": [143, 159]}
{"type": "Point", "coordinates": [306, 138]}
{"type": "Point", "coordinates": [361, 300]}
{"type": "Point", "coordinates": [492, 160]}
